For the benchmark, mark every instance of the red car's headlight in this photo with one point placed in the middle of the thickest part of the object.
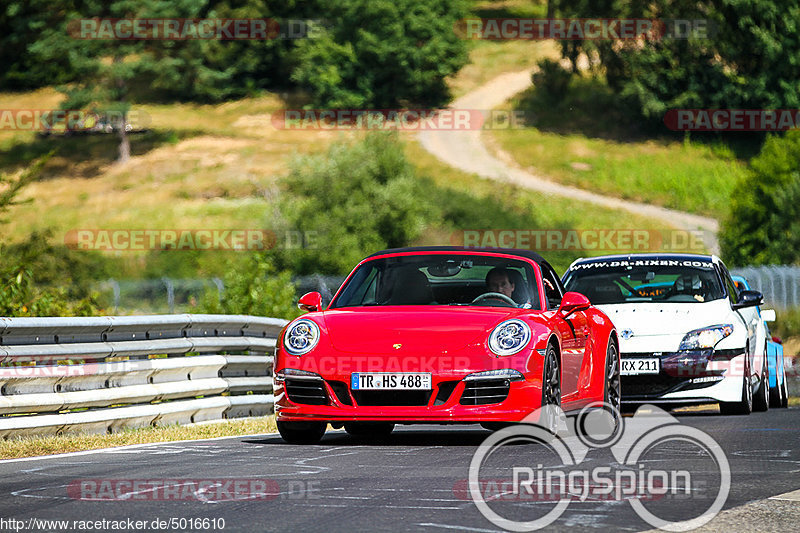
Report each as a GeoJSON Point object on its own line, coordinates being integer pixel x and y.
{"type": "Point", "coordinates": [509, 337]}
{"type": "Point", "coordinates": [301, 337]}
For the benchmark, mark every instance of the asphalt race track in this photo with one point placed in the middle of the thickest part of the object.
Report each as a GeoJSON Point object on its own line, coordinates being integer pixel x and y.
{"type": "Point", "coordinates": [408, 482]}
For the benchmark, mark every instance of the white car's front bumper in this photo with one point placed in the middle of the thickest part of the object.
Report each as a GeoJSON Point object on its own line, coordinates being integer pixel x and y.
{"type": "Point", "coordinates": [693, 389]}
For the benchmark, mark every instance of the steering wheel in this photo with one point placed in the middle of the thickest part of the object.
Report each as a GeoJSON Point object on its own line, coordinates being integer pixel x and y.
{"type": "Point", "coordinates": [497, 295]}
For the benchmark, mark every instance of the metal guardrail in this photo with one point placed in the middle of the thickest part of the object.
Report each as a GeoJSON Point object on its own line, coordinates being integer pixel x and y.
{"type": "Point", "coordinates": [104, 374]}
{"type": "Point", "coordinates": [173, 295]}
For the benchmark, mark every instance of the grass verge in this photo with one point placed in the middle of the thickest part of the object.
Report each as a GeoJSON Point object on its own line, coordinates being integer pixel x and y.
{"type": "Point", "coordinates": [47, 445]}
{"type": "Point", "coordinates": [587, 140]}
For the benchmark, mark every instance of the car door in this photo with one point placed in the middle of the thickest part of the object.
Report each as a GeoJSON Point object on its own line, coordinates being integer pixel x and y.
{"type": "Point", "coordinates": [574, 331]}
{"type": "Point", "coordinates": [751, 319]}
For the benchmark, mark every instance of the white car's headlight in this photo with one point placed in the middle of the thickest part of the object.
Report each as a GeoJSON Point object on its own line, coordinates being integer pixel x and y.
{"type": "Point", "coordinates": [301, 337]}
{"type": "Point", "coordinates": [705, 337]}
{"type": "Point", "coordinates": [509, 337]}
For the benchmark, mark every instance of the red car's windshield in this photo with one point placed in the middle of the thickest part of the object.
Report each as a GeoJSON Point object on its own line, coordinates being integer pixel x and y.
{"type": "Point", "coordinates": [439, 279]}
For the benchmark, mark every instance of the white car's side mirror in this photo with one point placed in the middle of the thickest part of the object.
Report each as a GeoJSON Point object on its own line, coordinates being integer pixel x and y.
{"type": "Point", "coordinates": [768, 315]}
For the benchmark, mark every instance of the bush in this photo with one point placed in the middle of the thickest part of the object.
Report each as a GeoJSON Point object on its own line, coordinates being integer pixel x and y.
{"type": "Point", "coordinates": [787, 324]}
{"type": "Point", "coordinates": [20, 297]}
{"type": "Point", "coordinates": [358, 198]}
{"type": "Point", "coordinates": [56, 265]}
{"type": "Point", "coordinates": [253, 286]}
{"type": "Point", "coordinates": [553, 79]}
{"type": "Point", "coordinates": [763, 226]}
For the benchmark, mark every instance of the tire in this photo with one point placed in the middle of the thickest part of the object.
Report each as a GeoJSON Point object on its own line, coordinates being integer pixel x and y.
{"type": "Point", "coordinates": [761, 397]}
{"type": "Point", "coordinates": [551, 396]}
{"type": "Point", "coordinates": [495, 426]}
{"type": "Point", "coordinates": [775, 397]}
{"type": "Point", "coordinates": [551, 390]}
{"type": "Point", "coordinates": [612, 395]}
{"type": "Point", "coordinates": [302, 432]}
{"type": "Point", "coordinates": [745, 405]}
{"type": "Point", "coordinates": [374, 430]}
{"type": "Point", "coordinates": [785, 396]}
{"type": "Point", "coordinates": [778, 392]}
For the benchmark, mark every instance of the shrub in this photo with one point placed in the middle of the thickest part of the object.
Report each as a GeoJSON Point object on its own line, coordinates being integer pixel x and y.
{"type": "Point", "coordinates": [553, 79]}
{"type": "Point", "coordinates": [358, 198]}
{"type": "Point", "coordinates": [253, 286]}
{"type": "Point", "coordinates": [763, 226]}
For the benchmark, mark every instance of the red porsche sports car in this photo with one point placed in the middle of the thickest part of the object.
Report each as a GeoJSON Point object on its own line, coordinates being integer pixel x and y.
{"type": "Point", "coordinates": [442, 335]}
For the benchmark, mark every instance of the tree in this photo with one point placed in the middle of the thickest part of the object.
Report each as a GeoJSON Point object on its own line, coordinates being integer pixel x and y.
{"type": "Point", "coordinates": [763, 226]}
{"type": "Point", "coordinates": [18, 294]}
{"type": "Point", "coordinates": [103, 68]}
{"type": "Point", "coordinates": [10, 186]}
{"type": "Point", "coordinates": [213, 70]}
{"type": "Point", "coordinates": [109, 74]}
{"type": "Point", "coordinates": [21, 23]}
{"type": "Point", "coordinates": [749, 58]}
{"type": "Point", "coordinates": [383, 53]}
{"type": "Point", "coordinates": [357, 198]}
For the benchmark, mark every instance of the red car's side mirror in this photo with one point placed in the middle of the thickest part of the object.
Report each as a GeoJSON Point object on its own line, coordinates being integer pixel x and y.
{"type": "Point", "coordinates": [574, 302]}
{"type": "Point", "coordinates": [311, 301]}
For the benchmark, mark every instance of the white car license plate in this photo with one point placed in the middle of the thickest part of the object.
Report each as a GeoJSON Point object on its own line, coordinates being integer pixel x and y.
{"type": "Point", "coordinates": [632, 367]}
{"type": "Point", "coordinates": [390, 381]}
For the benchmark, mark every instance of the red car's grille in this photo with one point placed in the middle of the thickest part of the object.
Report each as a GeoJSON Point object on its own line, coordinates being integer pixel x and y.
{"type": "Point", "coordinates": [390, 398]}
{"type": "Point", "coordinates": [340, 389]}
{"type": "Point", "coordinates": [307, 392]}
{"type": "Point", "coordinates": [446, 389]}
{"type": "Point", "coordinates": [485, 391]}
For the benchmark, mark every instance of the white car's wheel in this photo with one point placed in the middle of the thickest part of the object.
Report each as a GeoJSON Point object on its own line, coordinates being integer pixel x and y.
{"type": "Point", "coordinates": [761, 397]}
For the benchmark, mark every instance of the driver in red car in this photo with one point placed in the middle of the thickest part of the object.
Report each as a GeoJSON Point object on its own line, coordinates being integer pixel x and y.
{"type": "Point", "coordinates": [499, 280]}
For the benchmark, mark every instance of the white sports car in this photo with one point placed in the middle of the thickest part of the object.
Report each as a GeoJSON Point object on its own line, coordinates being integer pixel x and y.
{"type": "Point", "coordinates": [687, 335]}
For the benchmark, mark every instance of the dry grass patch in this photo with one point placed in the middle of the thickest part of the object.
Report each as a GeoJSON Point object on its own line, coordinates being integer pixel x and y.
{"type": "Point", "coordinates": [48, 445]}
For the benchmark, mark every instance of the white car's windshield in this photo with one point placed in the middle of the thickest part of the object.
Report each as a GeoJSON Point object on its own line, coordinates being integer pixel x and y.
{"type": "Point", "coordinates": [605, 283]}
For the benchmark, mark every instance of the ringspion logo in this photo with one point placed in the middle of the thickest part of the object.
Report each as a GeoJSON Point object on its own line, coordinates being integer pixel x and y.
{"type": "Point", "coordinates": [657, 464]}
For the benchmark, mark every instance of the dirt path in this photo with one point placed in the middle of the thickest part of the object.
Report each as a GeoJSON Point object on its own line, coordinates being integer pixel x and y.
{"type": "Point", "coordinates": [466, 151]}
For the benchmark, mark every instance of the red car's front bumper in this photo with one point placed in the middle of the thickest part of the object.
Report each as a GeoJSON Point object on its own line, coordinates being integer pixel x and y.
{"type": "Point", "coordinates": [451, 400]}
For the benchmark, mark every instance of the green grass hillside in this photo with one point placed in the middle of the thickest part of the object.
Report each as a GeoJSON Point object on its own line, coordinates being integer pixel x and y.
{"type": "Point", "coordinates": [587, 140]}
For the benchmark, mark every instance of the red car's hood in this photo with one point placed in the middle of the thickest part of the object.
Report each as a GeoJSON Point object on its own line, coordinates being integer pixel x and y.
{"type": "Point", "coordinates": [417, 328]}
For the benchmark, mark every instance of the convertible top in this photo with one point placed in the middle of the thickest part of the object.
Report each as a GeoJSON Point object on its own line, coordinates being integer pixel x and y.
{"type": "Point", "coordinates": [527, 254]}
